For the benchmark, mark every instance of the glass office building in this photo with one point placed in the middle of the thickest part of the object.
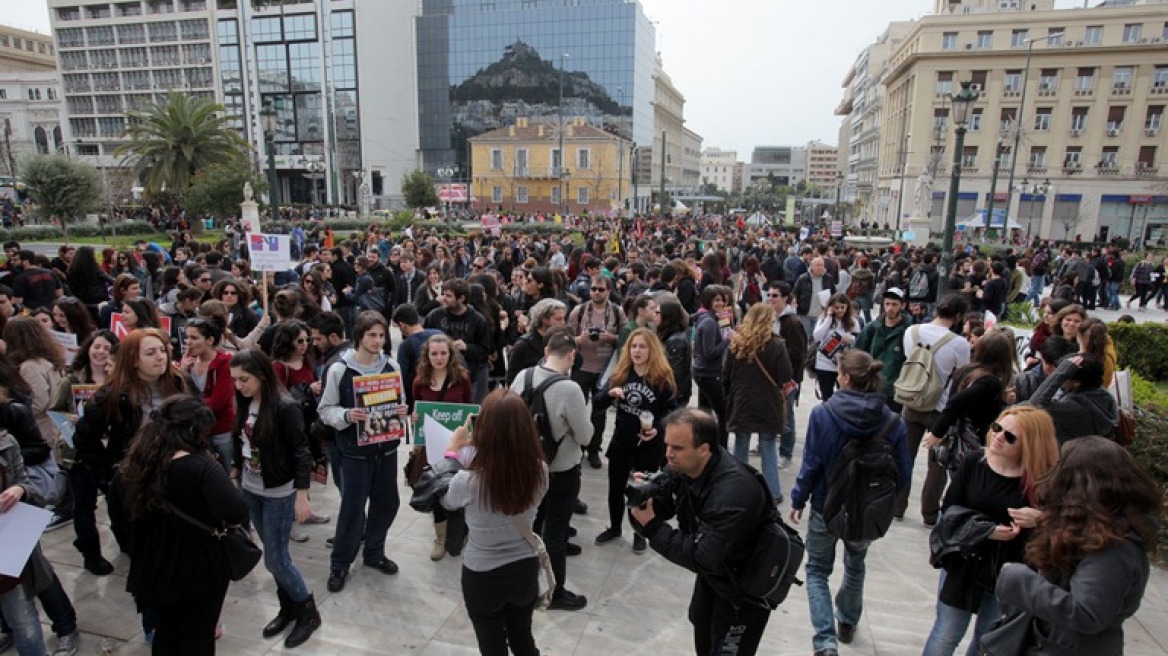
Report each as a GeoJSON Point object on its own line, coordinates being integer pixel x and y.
{"type": "Point", "coordinates": [483, 64]}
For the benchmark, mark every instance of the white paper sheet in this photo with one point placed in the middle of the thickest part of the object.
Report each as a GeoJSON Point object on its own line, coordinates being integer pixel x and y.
{"type": "Point", "coordinates": [20, 530]}
{"type": "Point", "coordinates": [437, 439]}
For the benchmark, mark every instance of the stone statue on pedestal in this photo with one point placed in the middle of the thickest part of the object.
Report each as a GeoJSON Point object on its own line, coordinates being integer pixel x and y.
{"type": "Point", "coordinates": [924, 195]}
{"type": "Point", "coordinates": [248, 193]}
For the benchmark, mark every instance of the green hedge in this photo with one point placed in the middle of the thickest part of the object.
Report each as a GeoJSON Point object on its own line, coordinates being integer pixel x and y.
{"type": "Point", "coordinates": [1150, 450]}
{"type": "Point", "coordinates": [45, 232]}
{"type": "Point", "coordinates": [1142, 347]}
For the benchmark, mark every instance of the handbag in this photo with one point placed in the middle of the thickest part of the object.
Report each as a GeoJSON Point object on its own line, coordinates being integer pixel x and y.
{"type": "Point", "coordinates": [1009, 635]}
{"type": "Point", "coordinates": [415, 464]}
{"type": "Point", "coordinates": [242, 554]}
{"type": "Point", "coordinates": [545, 561]}
{"type": "Point", "coordinates": [959, 441]}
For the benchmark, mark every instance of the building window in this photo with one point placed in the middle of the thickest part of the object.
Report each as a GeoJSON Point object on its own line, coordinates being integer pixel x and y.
{"type": "Point", "coordinates": [1056, 36]}
{"type": "Point", "coordinates": [1122, 77]}
{"type": "Point", "coordinates": [496, 159]}
{"type": "Point", "coordinates": [940, 121]}
{"type": "Point", "coordinates": [944, 83]}
{"type": "Point", "coordinates": [521, 195]}
{"type": "Point", "coordinates": [1160, 77]}
{"type": "Point", "coordinates": [496, 194]}
{"type": "Point", "coordinates": [583, 159]}
{"type": "Point", "coordinates": [1153, 121]}
{"type": "Point", "coordinates": [1079, 118]}
{"type": "Point", "coordinates": [969, 157]}
{"type": "Point", "coordinates": [582, 195]}
{"type": "Point", "coordinates": [299, 28]}
{"type": "Point", "coordinates": [1147, 157]}
{"type": "Point", "coordinates": [1037, 157]}
{"type": "Point", "coordinates": [985, 39]}
{"type": "Point", "coordinates": [1018, 38]}
{"type": "Point", "coordinates": [520, 161]}
{"type": "Point", "coordinates": [949, 41]}
{"type": "Point", "coordinates": [1085, 80]}
{"type": "Point", "coordinates": [1109, 158]}
{"type": "Point", "coordinates": [1042, 119]}
{"type": "Point", "coordinates": [1093, 36]}
{"type": "Point", "coordinates": [975, 120]}
{"type": "Point", "coordinates": [1132, 32]}
{"type": "Point", "coordinates": [1073, 158]}
{"type": "Point", "coordinates": [3, 94]}
{"type": "Point", "coordinates": [1006, 119]}
{"type": "Point", "coordinates": [1048, 80]}
{"type": "Point", "coordinates": [556, 195]}
{"type": "Point", "coordinates": [265, 29]}
{"type": "Point", "coordinates": [1012, 82]}
{"type": "Point", "coordinates": [1115, 116]}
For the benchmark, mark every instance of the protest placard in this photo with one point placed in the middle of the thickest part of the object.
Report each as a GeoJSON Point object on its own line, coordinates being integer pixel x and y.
{"type": "Point", "coordinates": [436, 421]}
{"type": "Point", "coordinates": [379, 395]}
{"type": "Point", "coordinates": [269, 252]}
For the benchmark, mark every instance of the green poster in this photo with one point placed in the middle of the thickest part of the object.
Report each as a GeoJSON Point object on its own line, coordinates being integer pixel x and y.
{"type": "Point", "coordinates": [447, 415]}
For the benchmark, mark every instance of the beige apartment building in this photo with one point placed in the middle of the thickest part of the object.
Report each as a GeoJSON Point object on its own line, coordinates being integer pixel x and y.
{"type": "Point", "coordinates": [822, 167]}
{"type": "Point", "coordinates": [1073, 97]}
{"type": "Point", "coordinates": [30, 98]}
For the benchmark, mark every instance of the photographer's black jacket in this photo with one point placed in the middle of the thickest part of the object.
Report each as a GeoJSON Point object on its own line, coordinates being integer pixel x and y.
{"type": "Point", "coordinates": [718, 515]}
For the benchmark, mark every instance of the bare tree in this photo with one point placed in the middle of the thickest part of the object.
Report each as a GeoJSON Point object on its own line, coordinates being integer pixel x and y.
{"type": "Point", "coordinates": [1069, 221]}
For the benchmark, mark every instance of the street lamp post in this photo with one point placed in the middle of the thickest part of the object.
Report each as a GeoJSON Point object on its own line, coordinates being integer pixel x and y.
{"type": "Point", "coordinates": [900, 194]}
{"type": "Point", "coordinates": [998, 151]}
{"type": "Point", "coordinates": [961, 104]}
{"type": "Point", "coordinates": [448, 174]}
{"type": "Point", "coordinates": [633, 172]}
{"type": "Point", "coordinates": [1036, 189]}
{"type": "Point", "coordinates": [315, 167]}
{"type": "Point", "coordinates": [567, 178]}
{"type": "Point", "coordinates": [839, 182]}
{"type": "Point", "coordinates": [560, 108]}
{"type": "Point", "coordinates": [1018, 117]}
{"type": "Point", "coordinates": [270, 116]}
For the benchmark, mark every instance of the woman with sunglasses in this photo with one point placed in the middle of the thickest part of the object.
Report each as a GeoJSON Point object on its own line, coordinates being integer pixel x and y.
{"type": "Point", "coordinates": [241, 320]}
{"type": "Point", "coordinates": [1090, 553]}
{"type": "Point", "coordinates": [986, 518]}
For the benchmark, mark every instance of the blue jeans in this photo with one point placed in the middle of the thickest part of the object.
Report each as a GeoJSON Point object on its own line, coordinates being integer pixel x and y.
{"type": "Point", "coordinates": [865, 307]}
{"type": "Point", "coordinates": [371, 479]}
{"type": "Point", "coordinates": [787, 441]}
{"type": "Point", "coordinates": [770, 458]}
{"type": "Point", "coordinates": [334, 457]}
{"type": "Point", "coordinates": [21, 612]}
{"type": "Point", "coordinates": [849, 600]}
{"type": "Point", "coordinates": [272, 519]}
{"type": "Point", "coordinates": [1113, 295]}
{"type": "Point", "coordinates": [222, 448]}
{"type": "Point", "coordinates": [950, 625]}
{"type": "Point", "coordinates": [1037, 284]}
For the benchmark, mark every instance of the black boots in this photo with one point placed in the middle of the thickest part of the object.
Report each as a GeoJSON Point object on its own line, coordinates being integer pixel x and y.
{"type": "Point", "coordinates": [307, 621]}
{"type": "Point", "coordinates": [285, 617]}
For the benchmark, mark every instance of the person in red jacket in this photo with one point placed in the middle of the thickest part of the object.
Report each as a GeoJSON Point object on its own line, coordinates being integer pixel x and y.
{"type": "Point", "coordinates": [442, 377]}
{"type": "Point", "coordinates": [210, 369]}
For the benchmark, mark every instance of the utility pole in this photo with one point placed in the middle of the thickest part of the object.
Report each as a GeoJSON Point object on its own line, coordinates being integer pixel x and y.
{"type": "Point", "coordinates": [661, 193]}
{"type": "Point", "coordinates": [998, 150]}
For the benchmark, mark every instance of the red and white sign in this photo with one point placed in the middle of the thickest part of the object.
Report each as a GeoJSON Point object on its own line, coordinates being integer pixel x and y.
{"type": "Point", "coordinates": [452, 192]}
{"type": "Point", "coordinates": [1140, 199]}
{"type": "Point", "coordinates": [118, 326]}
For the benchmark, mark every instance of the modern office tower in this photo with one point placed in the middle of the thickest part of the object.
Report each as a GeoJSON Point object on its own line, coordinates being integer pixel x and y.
{"type": "Point", "coordinates": [482, 65]}
{"type": "Point", "coordinates": [30, 98]}
{"type": "Point", "coordinates": [344, 130]}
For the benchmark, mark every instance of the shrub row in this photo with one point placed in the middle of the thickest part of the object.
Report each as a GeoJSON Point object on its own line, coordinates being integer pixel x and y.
{"type": "Point", "coordinates": [46, 232]}
{"type": "Point", "coordinates": [1143, 348]}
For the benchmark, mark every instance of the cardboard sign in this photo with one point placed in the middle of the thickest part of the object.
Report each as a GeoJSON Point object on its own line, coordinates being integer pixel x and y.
{"type": "Point", "coordinates": [269, 252]}
{"type": "Point", "coordinates": [436, 421]}
{"type": "Point", "coordinates": [380, 395]}
{"type": "Point", "coordinates": [118, 326]}
{"type": "Point", "coordinates": [68, 342]}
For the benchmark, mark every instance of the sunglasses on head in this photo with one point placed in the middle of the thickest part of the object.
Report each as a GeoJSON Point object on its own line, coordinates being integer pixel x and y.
{"type": "Point", "coordinates": [1010, 437]}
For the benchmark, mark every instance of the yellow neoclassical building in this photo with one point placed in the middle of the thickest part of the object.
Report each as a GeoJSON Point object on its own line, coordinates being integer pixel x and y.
{"type": "Point", "coordinates": [519, 168]}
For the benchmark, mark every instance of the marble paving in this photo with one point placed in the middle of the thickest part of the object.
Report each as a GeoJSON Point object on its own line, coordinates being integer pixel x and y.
{"type": "Point", "coordinates": [636, 603]}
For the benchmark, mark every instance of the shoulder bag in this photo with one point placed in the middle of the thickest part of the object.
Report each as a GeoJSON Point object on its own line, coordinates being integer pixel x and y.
{"type": "Point", "coordinates": [545, 562]}
{"type": "Point", "coordinates": [242, 554]}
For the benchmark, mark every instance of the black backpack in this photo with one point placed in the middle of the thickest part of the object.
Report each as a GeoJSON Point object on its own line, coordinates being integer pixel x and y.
{"type": "Point", "coordinates": [863, 488]}
{"type": "Point", "coordinates": [533, 397]}
{"type": "Point", "coordinates": [775, 556]}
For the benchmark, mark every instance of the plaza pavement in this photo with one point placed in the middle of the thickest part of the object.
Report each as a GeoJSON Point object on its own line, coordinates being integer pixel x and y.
{"type": "Point", "coordinates": [636, 603]}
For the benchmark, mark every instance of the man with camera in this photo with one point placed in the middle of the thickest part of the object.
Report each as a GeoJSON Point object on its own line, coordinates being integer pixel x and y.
{"type": "Point", "coordinates": [720, 507]}
{"type": "Point", "coordinates": [596, 325]}
{"type": "Point", "coordinates": [568, 420]}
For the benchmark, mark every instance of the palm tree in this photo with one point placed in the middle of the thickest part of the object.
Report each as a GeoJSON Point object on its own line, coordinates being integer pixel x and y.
{"type": "Point", "coordinates": [172, 141]}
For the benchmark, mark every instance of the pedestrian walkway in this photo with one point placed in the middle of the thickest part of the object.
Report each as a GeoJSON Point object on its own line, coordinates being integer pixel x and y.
{"type": "Point", "coordinates": [636, 604]}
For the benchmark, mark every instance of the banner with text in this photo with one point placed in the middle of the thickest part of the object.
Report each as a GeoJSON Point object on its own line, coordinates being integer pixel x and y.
{"type": "Point", "coordinates": [269, 252]}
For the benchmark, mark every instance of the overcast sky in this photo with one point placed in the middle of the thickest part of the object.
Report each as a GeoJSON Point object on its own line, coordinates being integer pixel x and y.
{"type": "Point", "coordinates": [753, 72]}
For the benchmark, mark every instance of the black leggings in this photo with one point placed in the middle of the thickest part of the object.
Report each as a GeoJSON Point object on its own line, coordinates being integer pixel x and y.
{"type": "Point", "coordinates": [626, 456]}
{"type": "Point", "coordinates": [188, 628]}
{"type": "Point", "coordinates": [710, 392]}
{"type": "Point", "coordinates": [500, 603]}
{"type": "Point", "coordinates": [827, 383]}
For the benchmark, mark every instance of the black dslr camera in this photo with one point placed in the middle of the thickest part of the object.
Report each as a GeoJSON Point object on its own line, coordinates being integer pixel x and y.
{"type": "Point", "coordinates": [637, 494]}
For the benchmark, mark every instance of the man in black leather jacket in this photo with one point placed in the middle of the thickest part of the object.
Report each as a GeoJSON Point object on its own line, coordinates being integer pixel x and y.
{"type": "Point", "coordinates": [720, 507]}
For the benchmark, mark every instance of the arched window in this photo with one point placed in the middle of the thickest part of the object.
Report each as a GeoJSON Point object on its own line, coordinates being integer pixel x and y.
{"type": "Point", "coordinates": [42, 141]}
{"type": "Point", "coordinates": [57, 140]}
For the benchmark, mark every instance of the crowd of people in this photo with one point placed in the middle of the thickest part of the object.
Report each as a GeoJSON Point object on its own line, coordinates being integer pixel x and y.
{"type": "Point", "coordinates": [200, 394]}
